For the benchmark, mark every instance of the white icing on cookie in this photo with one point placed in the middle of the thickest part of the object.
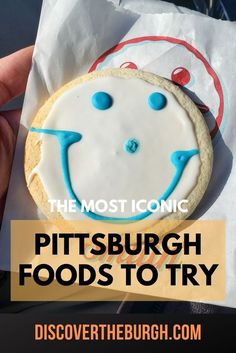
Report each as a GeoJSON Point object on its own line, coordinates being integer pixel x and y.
{"type": "Point", "coordinates": [99, 166]}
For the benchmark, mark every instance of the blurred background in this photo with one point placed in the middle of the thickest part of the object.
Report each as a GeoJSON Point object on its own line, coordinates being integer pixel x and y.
{"type": "Point", "coordinates": [19, 18]}
{"type": "Point", "coordinates": [18, 28]}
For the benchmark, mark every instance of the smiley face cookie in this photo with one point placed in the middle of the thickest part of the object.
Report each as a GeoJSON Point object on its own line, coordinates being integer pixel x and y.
{"type": "Point", "coordinates": [118, 134]}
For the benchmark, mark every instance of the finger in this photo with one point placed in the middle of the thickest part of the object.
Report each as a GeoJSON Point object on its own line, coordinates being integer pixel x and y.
{"type": "Point", "coordinates": [14, 71]}
{"type": "Point", "coordinates": [2, 206]}
{"type": "Point", "coordinates": [9, 124]}
{"type": "Point", "coordinates": [7, 145]}
{"type": "Point", "coordinates": [13, 118]}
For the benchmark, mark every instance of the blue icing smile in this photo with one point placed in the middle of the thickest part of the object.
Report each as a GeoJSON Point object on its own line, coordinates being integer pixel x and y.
{"type": "Point", "coordinates": [67, 138]}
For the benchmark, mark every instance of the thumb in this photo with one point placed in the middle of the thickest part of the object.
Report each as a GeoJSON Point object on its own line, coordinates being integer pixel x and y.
{"type": "Point", "coordinates": [7, 145]}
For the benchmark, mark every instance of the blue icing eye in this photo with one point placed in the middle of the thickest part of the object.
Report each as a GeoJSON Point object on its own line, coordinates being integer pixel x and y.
{"type": "Point", "coordinates": [101, 100]}
{"type": "Point", "coordinates": [157, 101]}
{"type": "Point", "coordinates": [131, 146]}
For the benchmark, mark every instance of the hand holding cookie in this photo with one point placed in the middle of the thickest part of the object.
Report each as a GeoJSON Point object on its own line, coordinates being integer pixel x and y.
{"type": "Point", "coordinates": [14, 71]}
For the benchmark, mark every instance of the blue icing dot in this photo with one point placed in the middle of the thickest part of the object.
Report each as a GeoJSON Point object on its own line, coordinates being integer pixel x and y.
{"type": "Point", "coordinates": [131, 146]}
{"type": "Point", "coordinates": [157, 101]}
{"type": "Point", "coordinates": [101, 100]}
